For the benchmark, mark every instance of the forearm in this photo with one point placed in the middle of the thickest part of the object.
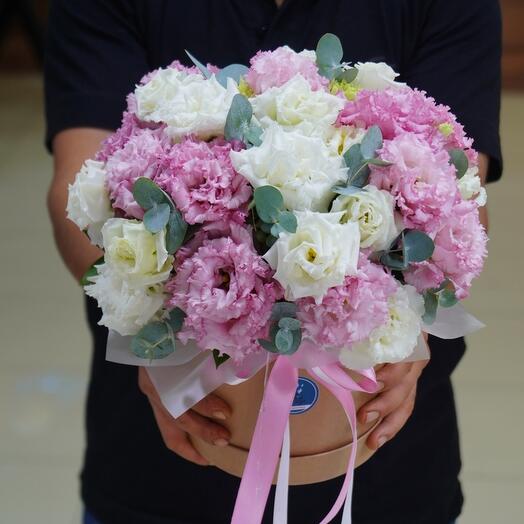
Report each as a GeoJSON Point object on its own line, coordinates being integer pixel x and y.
{"type": "Point", "coordinates": [483, 174]}
{"type": "Point", "coordinates": [71, 148]}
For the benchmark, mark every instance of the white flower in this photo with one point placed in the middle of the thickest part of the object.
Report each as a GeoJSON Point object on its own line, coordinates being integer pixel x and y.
{"type": "Point", "coordinates": [470, 187]}
{"type": "Point", "coordinates": [134, 254]}
{"type": "Point", "coordinates": [339, 139]}
{"type": "Point", "coordinates": [187, 103]}
{"type": "Point", "coordinates": [396, 339]}
{"type": "Point", "coordinates": [301, 167]}
{"type": "Point", "coordinates": [372, 209]}
{"type": "Point", "coordinates": [316, 257]}
{"type": "Point", "coordinates": [378, 76]}
{"type": "Point", "coordinates": [294, 105]}
{"type": "Point", "coordinates": [125, 308]}
{"type": "Point", "coordinates": [88, 204]}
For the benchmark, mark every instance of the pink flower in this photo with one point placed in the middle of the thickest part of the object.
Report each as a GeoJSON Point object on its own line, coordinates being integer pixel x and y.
{"type": "Point", "coordinates": [350, 312]}
{"type": "Point", "coordinates": [397, 111]}
{"type": "Point", "coordinates": [422, 181]}
{"type": "Point", "coordinates": [176, 64]}
{"type": "Point", "coordinates": [202, 182]}
{"type": "Point", "coordinates": [275, 68]}
{"type": "Point", "coordinates": [138, 155]}
{"type": "Point", "coordinates": [424, 275]}
{"type": "Point", "coordinates": [225, 289]}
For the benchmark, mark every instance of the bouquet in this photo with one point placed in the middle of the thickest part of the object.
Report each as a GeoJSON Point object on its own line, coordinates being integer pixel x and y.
{"type": "Point", "coordinates": [302, 211]}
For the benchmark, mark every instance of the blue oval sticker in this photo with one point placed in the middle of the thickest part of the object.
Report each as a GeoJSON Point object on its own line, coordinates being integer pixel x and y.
{"type": "Point", "coordinates": [306, 396]}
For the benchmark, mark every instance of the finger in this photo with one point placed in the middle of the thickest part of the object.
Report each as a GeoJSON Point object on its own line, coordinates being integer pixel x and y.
{"type": "Point", "coordinates": [213, 407]}
{"type": "Point", "coordinates": [392, 374]}
{"type": "Point", "coordinates": [385, 403]}
{"type": "Point", "coordinates": [392, 423]}
{"type": "Point", "coordinates": [175, 438]}
{"type": "Point", "coordinates": [203, 428]}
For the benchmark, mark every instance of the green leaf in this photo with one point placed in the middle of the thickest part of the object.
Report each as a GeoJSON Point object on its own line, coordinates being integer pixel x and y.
{"type": "Point", "coordinates": [447, 298]}
{"type": "Point", "coordinates": [288, 221]}
{"type": "Point", "coordinates": [276, 229]}
{"type": "Point", "coordinates": [379, 162]}
{"type": "Point", "coordinates": [156, 217]}
{"type": "Point", "coordinates": [234, 71]}
{"type": "Point", "coordinates": [203, 69]}
{"type": "Point", "coordinates": [417, 246]}
{"type": "Point", "coordinates": [283, 309]}
{"type": "Point", "coordinates": [220, 358]}
{"type": "Point", "coordinates": [176, 319]}
{"type": "Point", "coordinates": [346, 190]}
{"type": "Point", "coordinates": [289, 323]}
{"type": "Point", "coordinates": [371, 142]}
{"type": "Point", "coordinates": [91, 272]}
{"type": "Point", "coordinates": [348, 75]}
{"type": "Point", "coordinates": [267, 345]}
{"type": "Point", "coordinates": [284, 341]}
{"type": "Point", "coordinates": [253, 135]}
{"type": "Point", "coordinates": [152, 342]}
{"type": "Point", "coordinates": [393, 261]}
{"type": "Point", "coordinates": [431, 306]}
{"type": "Point", "coordinates": [238, 118]}
{"type": "Point", "coordinates": [147, 193]}
{"type": "Point", "coordinates": [358, 171]}
{"type": "Point", "coordinates": [329, 55]}
{"type": "Point", "coordinates": [176, 231]}
{"type": "Point", "coordinates": [458, 158]}
{"type": "Point", "coordinates": [269, 203]}
{"type": "Point", "coordinates": [265, 227]}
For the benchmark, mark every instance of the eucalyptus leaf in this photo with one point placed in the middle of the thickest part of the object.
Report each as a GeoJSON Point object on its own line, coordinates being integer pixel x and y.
{"type": "Point", "coordinates": [346, 190]}
{"type": "Point", "coordinates": [288, 221]}
{"type": "Point", "coordinates": [267, 345]}
{"type": "Point", "coordinates": [156, 217]}
{"type": "Point", "coordinates": [371, 142]}
{"type": "Point", "coordinates": [265, 227]}
{"type": "Point", "coordinates": [283, 309]}
{"type": "Point", "coordinates": [238, 118]}
{"type": "Point", "coordinates": [430, 306]}
{"type": "Point", "coordinates": [152, 342]}
{"type": "Point", "coordinates": [176, 319]}
{"type": "Point", "coordinates": [219, 358]}
{"type": "Point", "coordinates": [348, 75]}
{"type": "Point", "coordinates": [358, 171]}
{"type": "Point", "coordinates": [289, 323]}
{"type": "Point", "coordinates": [269, 203]}
{"type": "Point", "coordinates": [91, 272]}
{"type": "Point", "coordinates": [284, 341]}
{"type": "Point", "coordinates": [458, 158]}
{"type": "Point", "coordinates": [253, 135]}
{"type": "Point", "coordinates": [329, 54]}
{"type": "Point", "coordinates": [147, 193]}
{"type": "Point", "coordinates": [417, 246]}
{"type": "Point", "coordinates": [379, 162]}
{"type": "Point", "coordinates": [176, 231]}
{"type": "Point", "coordinates": [276, 229]}
{"type": "Point", "coordinates": [447, 298]}
{"type": "Point", "coordinates": [203, 69]}
{"type": "Point", "coordinates": [234, 71]}
{"type": "Point", "coordinates": [393, 261]}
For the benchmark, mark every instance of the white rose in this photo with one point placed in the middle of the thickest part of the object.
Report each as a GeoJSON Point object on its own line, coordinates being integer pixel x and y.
{"type": "Point", "coordinates": [470, 187]}
{"type": "Point", "coordinates": [294, 105]}
{"type": "Point", "coordinates": [378, 76]}
{"type": "Point", "coordinates": [125, 308]}
{"type": "Point", "coordinates": [316, 257]}
{"type": "Point", "coordinates": [396, 339]}
{"type": "Point", "coordinates": [187, 103]}
{"type": "Point", "coordinates": [88, 204]}
{"type": "Point", "coordinates": [301, 167]}
{"type": "Point", "coordinates": [372, 209]}
{"type": "Point", "coordinates": [134, 253]}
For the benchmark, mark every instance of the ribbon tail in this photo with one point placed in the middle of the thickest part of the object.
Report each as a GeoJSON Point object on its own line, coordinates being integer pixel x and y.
{"type": "Point", "coordinates": [266, 443]}
{"type": "Point", "coordinates": [282, 489]}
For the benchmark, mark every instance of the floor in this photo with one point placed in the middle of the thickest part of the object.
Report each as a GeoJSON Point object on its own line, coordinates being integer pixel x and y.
{"type": "Point", "coordinates": [43, 369]}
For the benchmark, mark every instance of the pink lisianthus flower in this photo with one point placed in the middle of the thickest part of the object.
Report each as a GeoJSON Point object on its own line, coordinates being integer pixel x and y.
{"type": "Point", "coordinates": [226, 290]}
{"type": "Point", "coordinates": [179, 66]}
{"type": "Point", "coordinates": [275, 68]}
{"type": "Point", "coordinates": [397, 111]}
{"type": "Point", "coordinates": [424, 275]}
{"type": "Point", "coordinates": [350, 312]}
{"type": "Point", "coordinates": [139, 156]}
{"type": "Point", "coordinates": [422, 181]}
{"type": "Point", "coordinates": [201, 181]}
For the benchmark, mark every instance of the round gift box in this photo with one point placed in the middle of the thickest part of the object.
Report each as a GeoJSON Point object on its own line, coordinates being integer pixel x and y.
{"type": "Point", "coordinates": [321, 438]}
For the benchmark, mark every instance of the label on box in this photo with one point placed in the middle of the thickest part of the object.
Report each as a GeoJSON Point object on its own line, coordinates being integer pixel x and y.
{"type": "Point", "coordinates": [306, 396]}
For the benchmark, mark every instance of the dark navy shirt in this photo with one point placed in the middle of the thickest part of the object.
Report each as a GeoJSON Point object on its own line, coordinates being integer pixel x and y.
{"type": "Point", "coordinates": [97, 51]}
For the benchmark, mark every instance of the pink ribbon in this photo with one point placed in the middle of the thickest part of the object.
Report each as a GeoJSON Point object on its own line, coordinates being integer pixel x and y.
{"type": "Point", "coordinates": [269, 435]}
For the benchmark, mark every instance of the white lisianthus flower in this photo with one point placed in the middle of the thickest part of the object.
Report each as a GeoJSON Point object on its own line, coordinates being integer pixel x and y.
{"type": "Point", "coordinates": [187, 103]}
{"type": "Point", "coordinates": [296, 106]}
{"type": "Point", "coordinates": [316, 257]}
{"type": "Point", "coordinates": [301, 167]}
{"type": "Point", "coordinates": [377, 76]}
{"type": "Point", "coordinates": [373, 211]}
{"type": "Point", "coordinates": [340, 139]}
{"type": "Point", "coordinates": [395, 340]}
{"type": "Point", "coordinates": [125, 308]}
{"type": "Point", "coordinates": [134, 254]}
{"type": "Point", "coordinates": [88, 204]}
{"type": "Point", "coordinates": [470, 187]}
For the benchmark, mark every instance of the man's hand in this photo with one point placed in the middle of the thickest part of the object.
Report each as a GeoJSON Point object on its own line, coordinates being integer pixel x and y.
{"type": "Point", "coordinates": [395, 402]}
{"type": "Point", "coordinates": [198, 421]}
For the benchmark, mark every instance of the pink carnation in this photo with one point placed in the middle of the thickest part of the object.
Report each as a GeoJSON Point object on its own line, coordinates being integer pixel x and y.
{"type": "Point", "coordinates": [202, 182]}
{"type": "Point", "coordinates": [139, 156]}
{"type": "Point", "coordinates": [179, 66]}
{"type": "Point", "coordinates": [422, 181]}
{"type": "Point", "coordinates": [424, 275]}
{"type": "Point", "coordinates": [397, 111]}
{"type": "Point", "coordinates": [275, 68]}
{"type": "Point", "coordinates": [350, 312]}
{"type": "Point", "coordinates": [226, 291]}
